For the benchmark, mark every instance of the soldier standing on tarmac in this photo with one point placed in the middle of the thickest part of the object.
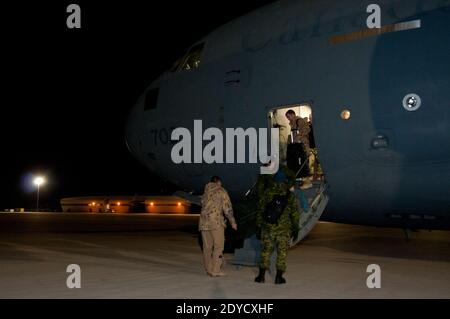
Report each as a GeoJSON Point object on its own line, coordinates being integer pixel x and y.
{"type": "Point", "coordinates": [278, 221]}
{"type": "Point", "coordinates": [216, 205]}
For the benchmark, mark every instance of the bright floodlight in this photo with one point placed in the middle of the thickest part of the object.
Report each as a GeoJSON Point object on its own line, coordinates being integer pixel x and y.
{"type": "Point", "coordinates": [39, 181]}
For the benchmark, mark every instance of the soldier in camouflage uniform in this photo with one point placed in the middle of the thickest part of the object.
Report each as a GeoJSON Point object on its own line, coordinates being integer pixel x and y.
{"type": "Point", "coordinates": [298, 147]}
{"type": "Point", "coordinates": [216, 205]}
{"type": "Point", "coordinates": [280, 233]}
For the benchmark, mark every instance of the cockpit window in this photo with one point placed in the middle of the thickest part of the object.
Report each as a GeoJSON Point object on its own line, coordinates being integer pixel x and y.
{"type": "Point", "coordinates": [193, 58]}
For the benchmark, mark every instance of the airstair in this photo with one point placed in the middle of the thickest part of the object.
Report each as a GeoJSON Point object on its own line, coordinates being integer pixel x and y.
{"type": "Point", "coordinates": [317, 198]}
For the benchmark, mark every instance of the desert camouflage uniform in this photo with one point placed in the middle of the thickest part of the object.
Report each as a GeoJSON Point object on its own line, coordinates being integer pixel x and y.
{"type": "Point", "coordinates": [280, 233]}
{"type": "Point", "coordinates": [302, 135]}
{"type": "Point", "coordinates": [215, 204]}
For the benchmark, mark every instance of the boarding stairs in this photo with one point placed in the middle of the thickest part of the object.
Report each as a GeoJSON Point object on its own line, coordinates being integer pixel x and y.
{"type": "Point", "coordinates": [249, 254]}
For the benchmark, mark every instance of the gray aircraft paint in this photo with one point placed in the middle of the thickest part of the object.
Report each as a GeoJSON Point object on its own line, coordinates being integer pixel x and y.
{"type": "Point", "coordinates": [280, 55]}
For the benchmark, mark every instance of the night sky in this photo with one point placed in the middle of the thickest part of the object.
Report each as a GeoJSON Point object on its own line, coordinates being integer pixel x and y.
{"type": "Point", "coordinates": [66, 93]}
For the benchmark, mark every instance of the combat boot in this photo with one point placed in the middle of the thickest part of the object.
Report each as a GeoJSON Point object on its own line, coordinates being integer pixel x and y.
{"type": "Point", "coordinates": [279, 278]}
{"type": "Point", "coordinates": [261, 276]}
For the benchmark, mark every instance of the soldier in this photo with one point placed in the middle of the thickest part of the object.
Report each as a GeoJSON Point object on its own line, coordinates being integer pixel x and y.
{"type": "Point", "coordinates": [276, 229]}
{"type": "Point", "coordinates": [298, 147]}
{"type": "Point", "coordinates": [215, 204]}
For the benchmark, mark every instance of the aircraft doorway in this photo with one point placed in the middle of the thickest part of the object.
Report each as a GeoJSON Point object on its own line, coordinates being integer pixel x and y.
{"type": "Point", "coordinates": [311, 186]}
{"type": "Point", "coordinates": [277, 118]}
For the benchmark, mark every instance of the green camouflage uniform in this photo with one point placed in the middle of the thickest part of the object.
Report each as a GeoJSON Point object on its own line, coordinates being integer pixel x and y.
{"type": "Point", "coordinates": [280, 233]}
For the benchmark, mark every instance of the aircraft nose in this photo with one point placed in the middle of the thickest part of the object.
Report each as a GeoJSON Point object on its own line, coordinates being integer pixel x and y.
{"type": "Point", "coordinates": [139, 136]}
{"type": "Point", "coordinates": [141, 125]}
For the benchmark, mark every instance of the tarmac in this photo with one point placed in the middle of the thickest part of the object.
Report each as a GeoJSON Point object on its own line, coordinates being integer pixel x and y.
{"type": "Point", "coordinates": [158, 256]}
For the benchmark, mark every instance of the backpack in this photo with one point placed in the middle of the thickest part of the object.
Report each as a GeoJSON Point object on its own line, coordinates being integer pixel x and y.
{"type": "Point", "coordinates": [275, 208]}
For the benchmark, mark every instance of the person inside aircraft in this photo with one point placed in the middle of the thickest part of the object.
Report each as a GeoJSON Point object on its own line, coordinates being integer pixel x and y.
{"type": "Point", "coordinates": [216, 205]}
{"type": "Point", "coordinates": [298, 147]}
